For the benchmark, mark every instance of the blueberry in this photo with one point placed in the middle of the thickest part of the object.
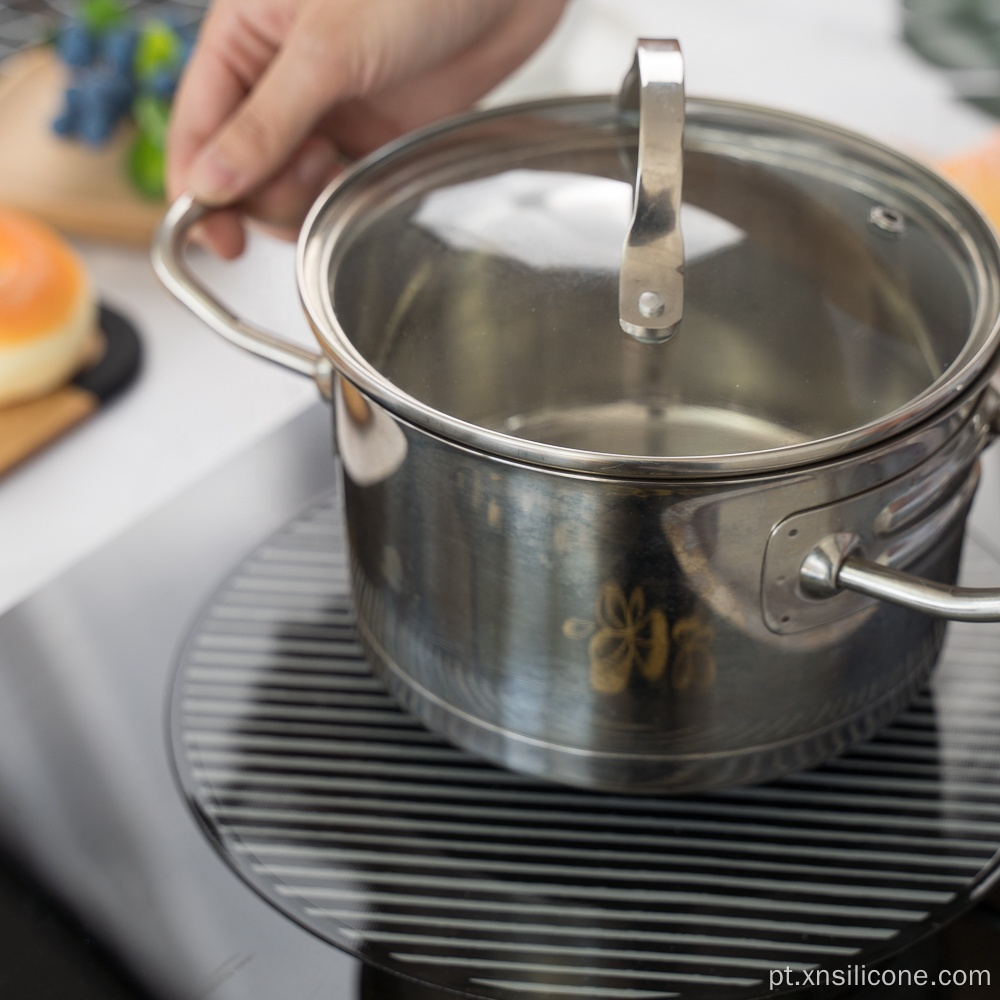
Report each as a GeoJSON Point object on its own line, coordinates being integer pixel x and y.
{"type": "Point", "coordinates": [65, 124]}
{"type": "Point", "coordinates": [99, 98]}
{"type": "Point", "coordinates": [74, 100]}
{"type": "Point", "coordinates": [112, 93]}
{"type": "Point", "coordinates": [96, 126]}
{"type": "Point", "coordinates": [118, 49]}
{"type": "Point", "coordinates": [162, 84]}
{"type": "Point", "coordinates": [76, 45]}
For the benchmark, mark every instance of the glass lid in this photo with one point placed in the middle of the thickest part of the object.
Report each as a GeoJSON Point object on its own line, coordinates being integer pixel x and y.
{"type": "Point", "coordinates": [780, 292]}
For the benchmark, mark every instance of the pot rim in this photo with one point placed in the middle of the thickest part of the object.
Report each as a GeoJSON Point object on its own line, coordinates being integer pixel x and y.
{"type": "Point", "coordinates": [964, 377]}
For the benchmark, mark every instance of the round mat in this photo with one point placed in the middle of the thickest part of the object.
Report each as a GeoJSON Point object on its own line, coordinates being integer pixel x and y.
{"type": "Point", "coordinates": [376, 835]}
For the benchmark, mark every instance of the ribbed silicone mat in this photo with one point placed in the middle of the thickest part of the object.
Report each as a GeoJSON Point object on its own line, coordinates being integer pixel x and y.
{"type": "Point", "coordinates": [354, 820]}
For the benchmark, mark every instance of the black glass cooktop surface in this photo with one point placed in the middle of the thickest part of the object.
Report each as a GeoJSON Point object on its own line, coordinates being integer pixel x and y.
{"type": "Point", "coordinates": [218, 632]}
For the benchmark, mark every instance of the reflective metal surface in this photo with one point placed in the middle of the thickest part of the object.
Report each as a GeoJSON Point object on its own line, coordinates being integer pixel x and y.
{"type": "Point", "coordinates": [466, 280]}
{"type": "Point", "coordinates": [891, 523]}
{"type": "Point", "coordinates": [956, 603]}
{"type": "Point", "coordinates": [181, 281]}
{"type": "Point", "coordinates": [651, 283]}
{"type": "Point", "coordinates": [857, 561]}
{"type": "Point", "coordinates": [613, 633]}
{"type": "Point", "coordinates": [579, 554]}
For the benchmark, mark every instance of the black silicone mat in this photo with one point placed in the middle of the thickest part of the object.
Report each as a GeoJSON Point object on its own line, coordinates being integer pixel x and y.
{"type": "Point", "coordinates": [379, 837]}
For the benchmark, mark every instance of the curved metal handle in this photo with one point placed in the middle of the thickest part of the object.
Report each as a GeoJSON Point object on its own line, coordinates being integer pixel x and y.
{"type": "Point", "coordinates": [827, 570]}
{"type": "Point", "coordinates": [651, 286]}
{"type": "Point", "coordinates": [173, 271]}
{"type": "Point", "coordinates": [963, 604]}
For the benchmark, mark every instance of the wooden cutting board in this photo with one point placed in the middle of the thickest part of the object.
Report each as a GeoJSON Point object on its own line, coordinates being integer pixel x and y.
{"type": "Point", "coordinates": [77, 189]}
{"type": "Point", "coordinates": [27, 427]}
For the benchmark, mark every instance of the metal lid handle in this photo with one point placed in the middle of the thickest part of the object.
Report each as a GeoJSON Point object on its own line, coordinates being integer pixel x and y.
{"type": "Point", "coordinates": [651, 286]}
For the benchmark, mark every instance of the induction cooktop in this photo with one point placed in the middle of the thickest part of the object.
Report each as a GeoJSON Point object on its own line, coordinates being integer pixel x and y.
{"type": "Point", "coordinates": [204, 793]}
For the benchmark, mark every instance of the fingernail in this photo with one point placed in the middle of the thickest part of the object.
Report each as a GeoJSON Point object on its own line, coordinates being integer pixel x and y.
{"type": "Point", "coordinates": [213, 179]}
{"type": "Point", "coordinates": [315, 164]}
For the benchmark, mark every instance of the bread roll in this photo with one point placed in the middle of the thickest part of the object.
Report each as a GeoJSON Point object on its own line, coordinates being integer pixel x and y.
{"type": "Point", "coordinates": [48, 314]}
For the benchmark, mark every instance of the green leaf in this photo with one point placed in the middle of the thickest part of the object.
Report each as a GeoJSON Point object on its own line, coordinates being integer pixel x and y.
{"type": "Point", "coordinates": [159, 49]}
{"type": "Point", "coordinates": [102, 15]}
{"type": "Point", "coordinates": [147, 167]}
{"type": "Point", "coordinates": [152, 114]}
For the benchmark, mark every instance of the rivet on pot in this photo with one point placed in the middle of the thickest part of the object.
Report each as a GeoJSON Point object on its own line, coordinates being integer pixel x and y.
{"type": "Point", "coordinates": [887, 221]}
{"type": "Point", "coordinates": [651, 304]}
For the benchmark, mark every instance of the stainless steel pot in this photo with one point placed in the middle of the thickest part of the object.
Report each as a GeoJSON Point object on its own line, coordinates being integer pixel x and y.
{"type": "Point", "coordinates": [643, 495]}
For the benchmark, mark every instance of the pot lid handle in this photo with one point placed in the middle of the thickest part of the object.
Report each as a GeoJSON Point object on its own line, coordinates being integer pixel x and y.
{"type": "Point", "coordinates": [651, 286]}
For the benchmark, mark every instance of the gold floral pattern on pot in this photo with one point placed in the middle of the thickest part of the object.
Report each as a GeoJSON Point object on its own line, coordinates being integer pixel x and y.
{"type": "Point", "coordinates": [627, 637]}
{"type": "Point", "coordinates": [694, 662]}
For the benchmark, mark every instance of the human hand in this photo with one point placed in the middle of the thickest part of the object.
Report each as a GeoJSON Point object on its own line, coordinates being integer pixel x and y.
{"type": "Point", "coordinates": [278, 93]}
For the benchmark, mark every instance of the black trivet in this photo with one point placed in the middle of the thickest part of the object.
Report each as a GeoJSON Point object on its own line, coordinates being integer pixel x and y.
{"type": "Point", "coordinates": [376, 835]}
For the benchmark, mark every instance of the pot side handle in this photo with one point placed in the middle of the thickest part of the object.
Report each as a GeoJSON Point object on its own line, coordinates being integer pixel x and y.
{"type": "Point", "coordinates": [836, 564]}
{"type": "Point", "coordinates": [830, 568]}
{"type": "Point", "coordinates": [173, 271]}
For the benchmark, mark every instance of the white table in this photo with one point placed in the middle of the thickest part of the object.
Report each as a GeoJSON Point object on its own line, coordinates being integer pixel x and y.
{"type": "Point", "coordinates": [200, 401]}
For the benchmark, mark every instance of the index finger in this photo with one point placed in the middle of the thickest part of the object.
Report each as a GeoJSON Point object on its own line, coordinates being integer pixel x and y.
{"type": "Point", "coordinates": [209, 91]}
